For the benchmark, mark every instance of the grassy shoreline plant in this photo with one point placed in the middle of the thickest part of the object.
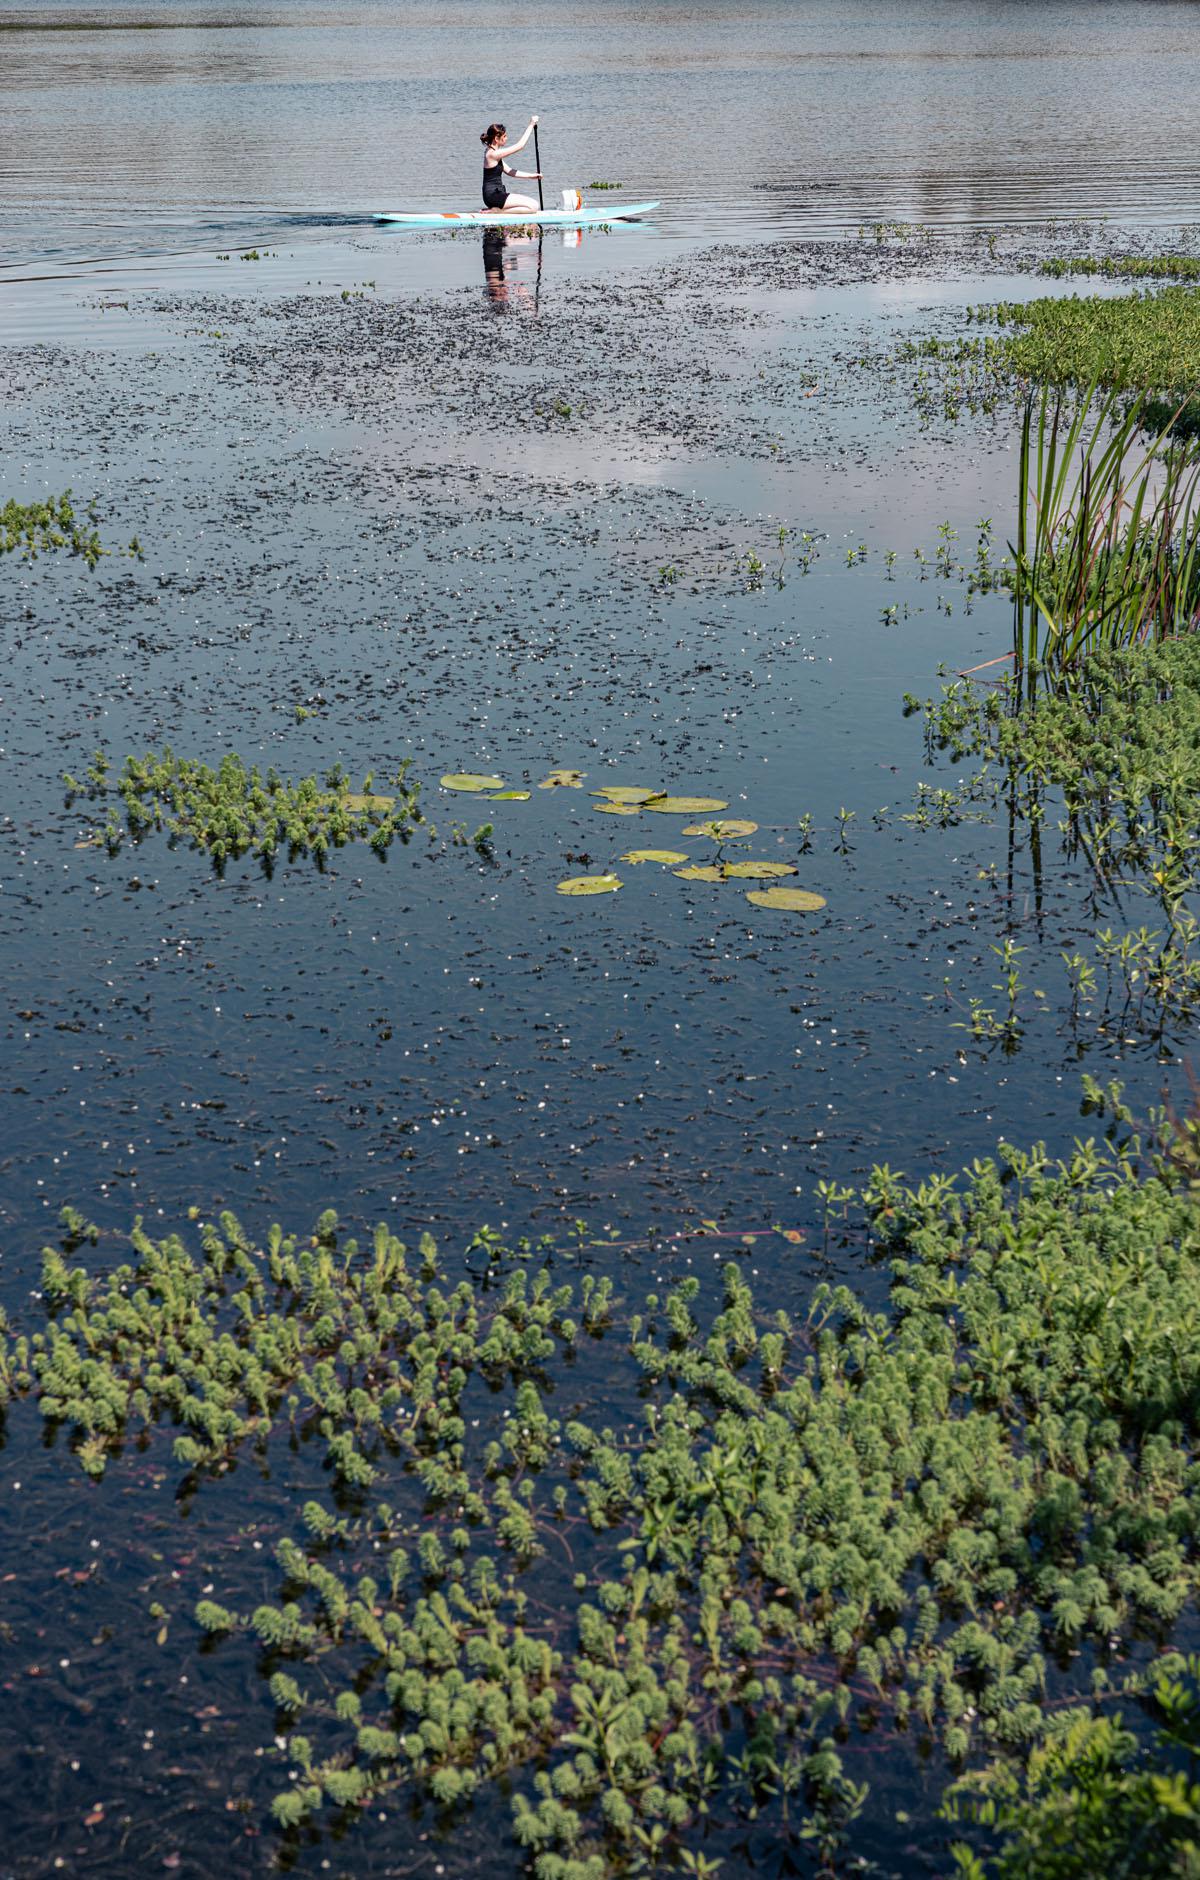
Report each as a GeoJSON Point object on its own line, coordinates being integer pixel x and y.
{"type": "Point", "coordinates": [1108, 534]}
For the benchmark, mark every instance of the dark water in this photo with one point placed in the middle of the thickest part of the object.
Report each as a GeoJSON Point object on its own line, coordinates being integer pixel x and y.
{"type": "Point", "coordinates": [376, 509]}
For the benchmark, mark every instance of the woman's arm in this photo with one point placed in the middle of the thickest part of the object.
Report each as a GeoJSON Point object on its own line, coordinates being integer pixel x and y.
{"type": "Point", "coordinates": [525, 176]}
{"type": "Point", "coordinates": [511, 150]}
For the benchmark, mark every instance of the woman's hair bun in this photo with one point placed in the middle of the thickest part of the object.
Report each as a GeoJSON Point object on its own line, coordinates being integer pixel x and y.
{"type": "Point", "coordinates": [491, 133]}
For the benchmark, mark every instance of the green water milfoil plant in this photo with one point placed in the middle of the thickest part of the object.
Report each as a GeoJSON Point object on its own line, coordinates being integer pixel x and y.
{"type": "Point", "coordinates": [816, 1520]}
{"type": "Point", "coordinates": [1108, 534]}
{"type": "Point", "coordinates": [40, 528]}
{"type": "Point", "coordinates": [232, 808]}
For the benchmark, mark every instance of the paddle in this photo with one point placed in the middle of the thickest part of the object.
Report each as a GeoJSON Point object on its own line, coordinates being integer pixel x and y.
{"type": "Point", "coordinates": [537, 164]}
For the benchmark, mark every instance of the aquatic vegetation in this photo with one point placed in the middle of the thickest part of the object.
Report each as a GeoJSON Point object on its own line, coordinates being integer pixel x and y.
{"type": "Point", "coordinates": [985, 1023]}
{"type": "Point", "coordinates": [1121, 744]}
{"type": "Point", "coordinates": [817, 1522]}
{"type": "Point", "coordinates": [1108, 534]}
{"type": "Point", "coordinates": [801, 1525]}
{"type": "Point", "coordinates": [701, 871]}
{"type": "Point", "coordinates": [787, 900]}
{"type": "Point", "coordinates": [467, 781]}
{"type": "Point", "coordinates": [1148, 341]}
{"type": "Point", "coordinates": [1121, 267]}
{"type": "Point", "coordinates": [757, 871]}
{"type": "Point", "coordinates": [629, 793]}
{"type": "Point", "coordinates": [589, 884]}
{"type": "Point", "coordinates": [1093, 1799]}
{"type": "Point", "coordinates": [666, 856]}
{"type": "Point", "coordinates": [684, 805]}
{"type": "Point", "coordinates": [1111, 764]}
{"type": "Point", "coordinates": [562, 780]}
{"type": "Point", "coordinates": [234, 809]}
{"type": "Point", "coordinates": [724, 829]}
{"type": "Point", "coordinates": [40, 528]}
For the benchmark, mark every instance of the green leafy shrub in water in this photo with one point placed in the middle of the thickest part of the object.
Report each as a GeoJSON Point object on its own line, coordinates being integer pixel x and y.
{"type": "Point", "coordinates": [233, 809]}
{"type": "Point", "coordinates": [1148, 341]}
{"type": "Point", "coordinates": [40, 528]}
{"type": "Point", "coordinates": [1092, 1800]}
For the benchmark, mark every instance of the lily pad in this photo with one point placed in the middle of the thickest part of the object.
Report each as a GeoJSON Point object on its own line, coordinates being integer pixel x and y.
{"type": "Point", "coordinates": [468, 781]}
{"type": "Point", "coordinates": [562, 780]}
{"type": "Point", "coordinates": [367, 802]}
{"type": "Point", "coordinates": [654, 855]}
{"type": "Point", "coordinates": [590, 884]}
{"type": "Point", "coordinates": [634, 793]}
{"type": "Point", "coordinates": [722, 831]}
{"type": "Point", "coordinates": [761, 871]}
{"type": "Point", "coordinates": [616, 809]}
{"type": "Point", "coordinates": [686, 805]}
{"type": "Point", "coordinates": [710, 871]}
{"type": "Point", "coordinates": [509, 796]}
{"type": "Point", "coordinates": [789, 900]}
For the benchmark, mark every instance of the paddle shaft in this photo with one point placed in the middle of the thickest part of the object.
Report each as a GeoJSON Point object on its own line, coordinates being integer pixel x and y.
{"type": "Point", "coordinates": [537, 164]}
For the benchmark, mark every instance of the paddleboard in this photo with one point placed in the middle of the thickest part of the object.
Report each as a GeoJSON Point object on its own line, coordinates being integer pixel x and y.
{"type": "Point", "coordinates": [520, 218]}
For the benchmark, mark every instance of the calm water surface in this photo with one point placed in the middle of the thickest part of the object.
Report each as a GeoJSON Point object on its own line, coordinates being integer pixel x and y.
{"type": "Point", "coordinates": [136, 127]}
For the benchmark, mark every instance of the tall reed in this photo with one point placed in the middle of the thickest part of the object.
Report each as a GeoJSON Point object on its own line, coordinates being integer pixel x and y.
{"type": "Point", "coordinates": [1108, 532]}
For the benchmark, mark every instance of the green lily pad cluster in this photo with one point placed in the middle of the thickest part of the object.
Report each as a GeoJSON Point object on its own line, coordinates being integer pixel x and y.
{"type": "Point", "coordinates": [634, 799]}
{"type": "Point", "coordinates": [234, 809]}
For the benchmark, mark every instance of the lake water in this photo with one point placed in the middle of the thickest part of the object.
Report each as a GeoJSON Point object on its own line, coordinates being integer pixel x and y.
{"type": "Point", "coordinates": [137, 128]}
{"type": "Point", "coordinates": [500, 506]}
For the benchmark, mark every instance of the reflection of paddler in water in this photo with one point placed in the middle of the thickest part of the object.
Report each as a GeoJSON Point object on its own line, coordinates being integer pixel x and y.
{"type": "Point", "coordinates": [496, 282]}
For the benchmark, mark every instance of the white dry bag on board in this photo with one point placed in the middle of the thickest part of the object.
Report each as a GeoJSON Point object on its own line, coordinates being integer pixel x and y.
{"type": "Point", "coordinates": [572, 199]}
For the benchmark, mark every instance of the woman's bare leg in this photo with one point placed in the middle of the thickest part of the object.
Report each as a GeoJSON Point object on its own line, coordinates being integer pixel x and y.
{"type": "Point", "coordinates": [521, 203]}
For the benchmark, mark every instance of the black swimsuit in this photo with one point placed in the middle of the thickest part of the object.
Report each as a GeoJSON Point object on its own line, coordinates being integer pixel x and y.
{"type": "Point", "coordinates": [495, 189]}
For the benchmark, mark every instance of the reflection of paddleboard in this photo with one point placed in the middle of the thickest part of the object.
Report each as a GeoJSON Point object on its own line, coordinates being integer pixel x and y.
{"type": "Point", "coordinates": [520, 218]}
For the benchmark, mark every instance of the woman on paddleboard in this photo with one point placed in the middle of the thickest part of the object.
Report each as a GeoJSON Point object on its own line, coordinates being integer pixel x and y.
{"type": "Point", "coordinates": [495, 169]}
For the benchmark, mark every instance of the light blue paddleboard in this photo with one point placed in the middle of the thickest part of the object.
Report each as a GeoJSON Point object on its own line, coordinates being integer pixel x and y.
{"type": "Point", "coordinates": [520, 218]}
